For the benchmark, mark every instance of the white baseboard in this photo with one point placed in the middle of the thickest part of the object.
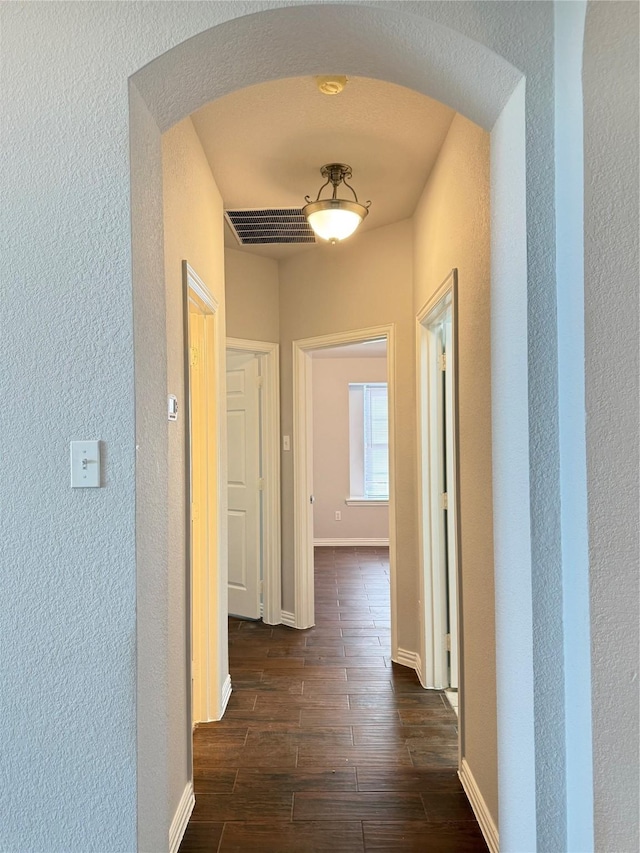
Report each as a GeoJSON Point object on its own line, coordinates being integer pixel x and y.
{"type": "Point", "coordinates": [226, 695]}
{"type": "Point", "coordinates": [418, 668]}
{"type": "Point", "coordinates": [351, 543]}
{"type": "Point", "coordinates": [407, 658]}
{"type": "Point", "coordinates": [487, 825]}
{"type": "Point", "coordinates": [279, 622]}
{"type": "Point", "coordinates": [181, 818]}
{"type": "Point", "coordinates": [289, 619]}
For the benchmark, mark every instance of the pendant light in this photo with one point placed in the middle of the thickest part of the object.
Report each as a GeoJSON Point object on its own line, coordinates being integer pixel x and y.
{"type": "Point", "coordinates": [334, 218]}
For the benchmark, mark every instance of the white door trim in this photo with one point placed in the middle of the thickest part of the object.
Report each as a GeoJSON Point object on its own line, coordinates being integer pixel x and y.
{"type": "Point", "coordinates": [269, 355]}
{"type": "Point", "coordinates": [217, 664]}
{"type": "Point", "coordinates": [244, 522]}
{"type": "Point", "coordinates": [432, 564]}
{"type": "Point", "coordinates": [304, 604]}
{"type": "Point", "coordinates": [302, 470]}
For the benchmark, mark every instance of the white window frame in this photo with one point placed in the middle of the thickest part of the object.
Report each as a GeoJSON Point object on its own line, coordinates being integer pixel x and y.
{"type": "Point", "coordinates": [357, 448]}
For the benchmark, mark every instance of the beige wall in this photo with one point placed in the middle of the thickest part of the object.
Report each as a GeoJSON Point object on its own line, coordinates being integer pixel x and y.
{"type": "Point", "coordinates": [365, 282]}
{"type": "Point", "coordinates": [379, 277]}
{"type": "Point", "coordinates": [331, 378]}
{"type": "Point", "coordinates": [252, 300]}
{"type": "Point", "coordinates": [452, 230]}
{"type": "Point", "coordinates": [193, 232]}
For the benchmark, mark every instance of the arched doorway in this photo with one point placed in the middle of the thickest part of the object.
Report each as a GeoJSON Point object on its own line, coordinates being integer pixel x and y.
{"type": "Point", "coordinates": [413, 51]}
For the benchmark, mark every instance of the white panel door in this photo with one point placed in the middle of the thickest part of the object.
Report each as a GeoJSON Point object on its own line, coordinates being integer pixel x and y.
{"type": "Point", "coordinates": [243, 437]}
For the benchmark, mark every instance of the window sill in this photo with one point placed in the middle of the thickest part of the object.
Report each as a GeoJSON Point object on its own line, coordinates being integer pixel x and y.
{"type": "Point", "coordinates": [367, 501]}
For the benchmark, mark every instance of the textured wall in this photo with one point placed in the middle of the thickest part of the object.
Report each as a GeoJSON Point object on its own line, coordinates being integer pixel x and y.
{"type": "Point", "coordinates": [69, 560]}
{"type": "Point", "coordinates": [252, 296]}
{"type": "Point", "coordinates": [610, 82]}
{"type": "Point", "coordinates": [365, 282]}
{"type": "Point", "coordinates": [331, 378]}
{"type": "Point", "coordinates": [451, 229]}
{"type": "Point", "coordinates": [67, 621]}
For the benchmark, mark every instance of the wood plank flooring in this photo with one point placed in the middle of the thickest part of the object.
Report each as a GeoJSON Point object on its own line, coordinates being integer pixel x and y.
{"type": "Point", "coordinates": [326, 745]}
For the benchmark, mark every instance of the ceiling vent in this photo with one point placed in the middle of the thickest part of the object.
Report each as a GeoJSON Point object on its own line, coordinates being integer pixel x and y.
{"type": "Point", "coordinates": [273, 225]}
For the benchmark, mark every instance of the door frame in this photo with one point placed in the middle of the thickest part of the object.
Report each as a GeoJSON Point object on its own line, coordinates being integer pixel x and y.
{"type": "Point", "coordinates": [268, 354]}
{"type": "Point", "coordinates": [433, 568]}
{"type": "Point", "coordinates": [214, 648]}
{"type": "Point", "coordinates": [303, 472]}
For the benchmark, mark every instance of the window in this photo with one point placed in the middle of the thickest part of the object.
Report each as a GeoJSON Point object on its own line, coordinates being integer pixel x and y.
{"type": "Point", "coordinates": [368, 442]}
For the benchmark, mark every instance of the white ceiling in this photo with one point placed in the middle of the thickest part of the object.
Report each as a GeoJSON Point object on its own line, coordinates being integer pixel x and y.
{"type": "Point", "coordinates": [266, 144]}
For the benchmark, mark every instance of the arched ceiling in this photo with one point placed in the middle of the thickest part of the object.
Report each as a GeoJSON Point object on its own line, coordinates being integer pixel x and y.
{"type": "Point", "coordinates": [265, 145]}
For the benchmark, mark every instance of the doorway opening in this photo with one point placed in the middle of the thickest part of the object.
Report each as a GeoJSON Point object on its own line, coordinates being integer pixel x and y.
{"type": "Point", "coordinates": [206, 503]}
{"type": "Point", "coordinates": [439, 527]}
{"type": "Point", "coordinates": [350, 447]}
{"type": "Point", "coordinates": [303, 459]}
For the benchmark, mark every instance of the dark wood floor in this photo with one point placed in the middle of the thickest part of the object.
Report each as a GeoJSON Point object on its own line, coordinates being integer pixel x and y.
{"type": "Point", "coordinates": [326, 745]}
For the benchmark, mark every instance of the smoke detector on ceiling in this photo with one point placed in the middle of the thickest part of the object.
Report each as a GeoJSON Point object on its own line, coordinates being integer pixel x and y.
{"type": "Point", "coordinates": [331, 84]}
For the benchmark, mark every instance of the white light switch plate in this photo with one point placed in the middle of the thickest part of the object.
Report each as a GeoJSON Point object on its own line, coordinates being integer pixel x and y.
{"type": "Point", "coordinates": [85, 464]}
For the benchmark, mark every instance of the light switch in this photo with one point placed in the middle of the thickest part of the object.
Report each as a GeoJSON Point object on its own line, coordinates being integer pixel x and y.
{"type": "Point", "coordinates": [85, 464]}
{"type": "Point", "coordinates": [172, 407]}
{"type": "Point", "coordinates": [286, 442]}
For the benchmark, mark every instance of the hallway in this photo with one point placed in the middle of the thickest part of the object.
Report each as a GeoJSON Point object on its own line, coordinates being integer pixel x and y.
{"type": "Point", "coordinates": [325, 744]}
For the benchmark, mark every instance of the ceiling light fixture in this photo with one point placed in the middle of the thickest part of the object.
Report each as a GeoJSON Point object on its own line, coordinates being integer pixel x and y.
{"type": "Point", "coordinates": [334, 218]}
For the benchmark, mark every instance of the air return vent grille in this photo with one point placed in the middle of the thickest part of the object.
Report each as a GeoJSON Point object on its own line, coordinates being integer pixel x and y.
{"type": "Point", "coordinates": [275, 225]}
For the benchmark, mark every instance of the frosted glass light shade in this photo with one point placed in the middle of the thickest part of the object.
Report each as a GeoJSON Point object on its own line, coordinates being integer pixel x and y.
{"type": "Point", "coordinates": [334, 219]}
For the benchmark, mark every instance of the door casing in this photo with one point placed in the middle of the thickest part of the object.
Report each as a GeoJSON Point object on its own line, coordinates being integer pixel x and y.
{"type": "Point", "coordinates": [208, 586]}
{"type": "Point", "coordinates": [244, 470]}
{"type": "Point", "coordinates": [269, 355]}
{"type": "Point", "coordinates": [433, 565]}
{"type": "Point", "coordinates": [303, 470]}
